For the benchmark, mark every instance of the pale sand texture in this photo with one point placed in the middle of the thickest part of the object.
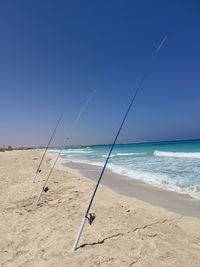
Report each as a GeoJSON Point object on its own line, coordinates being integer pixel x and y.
{"type": "Point", "coordinates": [126, 232]}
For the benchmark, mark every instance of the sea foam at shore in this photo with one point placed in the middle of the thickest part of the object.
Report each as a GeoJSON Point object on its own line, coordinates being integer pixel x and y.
{"type": "Point", "coordinates": [169, 165]}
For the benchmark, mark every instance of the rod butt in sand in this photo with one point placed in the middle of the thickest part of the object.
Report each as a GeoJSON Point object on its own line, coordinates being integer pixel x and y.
{"type": "Point", "coordinates": [79, 234]}
{"type": "Point", "coordinates": [34, 178]}
{"type": "Point", "coordinates": [39, 196]}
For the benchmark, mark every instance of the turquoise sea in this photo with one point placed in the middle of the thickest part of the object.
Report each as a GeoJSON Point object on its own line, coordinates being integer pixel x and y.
{"type": "Point", "coordinates": [173, 165]}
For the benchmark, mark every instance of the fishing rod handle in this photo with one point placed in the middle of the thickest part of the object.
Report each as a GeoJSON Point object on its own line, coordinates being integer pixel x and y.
{"type": "Point", "coordinates": [39, 196]}
{"type": "Point", "coordinates": [34, 177]}
{"type": "Point", "coordinates": [79, 234]}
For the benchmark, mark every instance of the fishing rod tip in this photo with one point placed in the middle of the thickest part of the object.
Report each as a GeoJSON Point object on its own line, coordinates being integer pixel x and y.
{"type": "Point", "coordinates": [161, 44]}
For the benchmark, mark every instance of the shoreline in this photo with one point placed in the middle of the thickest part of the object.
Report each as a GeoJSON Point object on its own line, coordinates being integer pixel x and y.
{"type": "Point", "coordinates": [179, 203]}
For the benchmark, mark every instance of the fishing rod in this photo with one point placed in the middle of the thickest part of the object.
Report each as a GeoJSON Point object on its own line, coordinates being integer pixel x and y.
{"type": "Point", "coordinates": [45, 188]}
{"type": "Point", "coordinates": [91, 216]}
{"type": "Point", "coordinates": [48, 144]}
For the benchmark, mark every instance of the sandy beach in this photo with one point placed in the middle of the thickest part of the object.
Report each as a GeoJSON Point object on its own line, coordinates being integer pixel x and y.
{"type": "Point", "coordinates": [127, 231]}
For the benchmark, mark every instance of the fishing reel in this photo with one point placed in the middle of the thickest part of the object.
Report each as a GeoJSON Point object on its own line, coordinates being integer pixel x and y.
{"type": "Point", "coordinates": [91, 218]}
{"type": "Point", "coordinates": [45, 189]}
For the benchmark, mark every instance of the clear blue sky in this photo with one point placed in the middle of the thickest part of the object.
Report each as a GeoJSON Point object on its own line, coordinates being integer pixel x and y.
{"type": "Point", "coordinates": [54, 53]}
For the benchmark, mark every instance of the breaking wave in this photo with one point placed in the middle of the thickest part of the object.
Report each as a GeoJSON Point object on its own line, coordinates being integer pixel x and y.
{"type": "Point", "coordinates": [177, 154]}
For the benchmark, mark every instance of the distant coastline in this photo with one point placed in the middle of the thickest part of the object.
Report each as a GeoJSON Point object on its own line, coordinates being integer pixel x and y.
{"type": "Point", "coordinates": [10, 148]}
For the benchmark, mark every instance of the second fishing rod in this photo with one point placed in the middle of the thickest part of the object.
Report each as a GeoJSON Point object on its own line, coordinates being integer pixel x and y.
{"type": "Point", "coordinates": [45, 188]}
{"type": "Point", "coordinates": [48, 144]}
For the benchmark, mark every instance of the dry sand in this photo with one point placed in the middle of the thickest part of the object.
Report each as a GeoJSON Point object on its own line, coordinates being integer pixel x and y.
{"type": "Point", "coordinates": [126, 231]}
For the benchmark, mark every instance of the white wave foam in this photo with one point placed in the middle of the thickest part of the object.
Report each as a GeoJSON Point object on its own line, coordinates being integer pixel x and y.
{"type": "Point", "coordinates": [105, 156]}
{"type": "Point", "coordinates": [130, 154]}
{"type": "Point", "coordinates": [76, 152]}
{"type": "Point", "coordinates": [177, 154]}
{"type": "Point", "coordinates": [124, 154]}
{"type": "Point", "coordinates": [71, 151]}
{"type": "Point", "coordinates": [94, 163]}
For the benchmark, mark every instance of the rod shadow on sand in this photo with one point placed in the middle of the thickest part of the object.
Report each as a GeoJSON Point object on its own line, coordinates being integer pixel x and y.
{"type": "Point", "coordinates": [99, 242]}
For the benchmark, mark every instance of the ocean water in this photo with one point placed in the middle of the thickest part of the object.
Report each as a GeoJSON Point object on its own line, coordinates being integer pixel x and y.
{"type": "Point", "coordinates": [170, 165]}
